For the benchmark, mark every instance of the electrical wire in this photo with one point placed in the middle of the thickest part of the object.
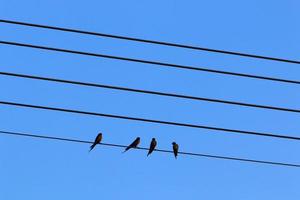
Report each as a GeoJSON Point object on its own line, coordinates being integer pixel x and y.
{"type": "Point", "coordinates": [170, 65]}
{"type": "Point", "coordinates": [147, 92]}
{"type": "Point", "coordinates": [158, 150]}
{"type": "Point", "coordinates": [150, 41]}
{"type": "Point", "coordinates": [150, 120]}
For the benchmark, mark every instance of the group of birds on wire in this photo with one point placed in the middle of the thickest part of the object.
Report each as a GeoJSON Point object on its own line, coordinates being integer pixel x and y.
{"type": "Point", "coordinates": [153, 143]}
{"type": "Point", "coordinates": [135, 144]}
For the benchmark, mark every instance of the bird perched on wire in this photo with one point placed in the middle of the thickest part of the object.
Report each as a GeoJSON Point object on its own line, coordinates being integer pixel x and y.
{"type": "Point", "coordinates": [134, 144]}
{"type": "Point", "coordinates": [97, 141]}
{"type": "Point", "coordinates": [152, 146]}
{"type": "Point", "coordinates": [175, 149]}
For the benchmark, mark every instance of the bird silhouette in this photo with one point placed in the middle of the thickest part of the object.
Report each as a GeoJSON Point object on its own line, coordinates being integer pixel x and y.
{"type": "Point", "coordinates": [175, 149]}
{"type": "Point", "coordinates": [97, 141]}
{"type": "Point", "coordinates": [152, 146]}
{"type": "Point", "coordinates": [134, 144]}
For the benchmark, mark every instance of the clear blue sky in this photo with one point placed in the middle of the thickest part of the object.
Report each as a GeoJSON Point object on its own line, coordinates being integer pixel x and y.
{"type": "Point", "coordinates": [41, 169]}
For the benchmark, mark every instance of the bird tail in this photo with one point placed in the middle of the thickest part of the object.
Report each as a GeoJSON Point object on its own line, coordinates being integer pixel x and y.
{"type": "Point", "coordinates": [127, 148]}
{"type": "Point", "coordinates": [149, 152]}
{"type": "Point", "coordinates": [92, 146]}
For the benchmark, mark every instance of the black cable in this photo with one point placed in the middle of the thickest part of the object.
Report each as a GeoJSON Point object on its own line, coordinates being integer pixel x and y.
{"type": "Point", "coordinates": [149, 62]}
{"type": "Point", "coordinates": [158, 150]}
{"type": "Point", "coordinates": [148, 92]}
{"type": "Point", "coordinates": [151, 120]}
{"type": "Point", "coordinates": [150, 41]}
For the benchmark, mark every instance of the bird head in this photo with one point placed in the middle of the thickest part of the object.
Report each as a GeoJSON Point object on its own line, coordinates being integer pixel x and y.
{"type": "Point", "coordinates": [173, 143]}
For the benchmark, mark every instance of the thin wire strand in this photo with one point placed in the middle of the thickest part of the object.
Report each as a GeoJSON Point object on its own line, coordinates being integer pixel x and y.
{"type": "Point", "coordinates": [151, 41]}
{"type": "Point", "coordinates": [158, 150]}
{"type": "Point", "coordinates": [151, 120]}
{"type": "Point", "coordinates": [155, 63]}
{"type": "Point", "coordinates": [149, 92]}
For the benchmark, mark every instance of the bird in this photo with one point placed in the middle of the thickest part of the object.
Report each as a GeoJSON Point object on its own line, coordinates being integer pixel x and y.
{"type": "Point", "coordinates": [97, 141]}
{"type": "Point", "coordinates": [175, 149]}
{"type": "Point", "coordinates": [152, 146]}
{"type": "Point", "coordinates": [134, 144]}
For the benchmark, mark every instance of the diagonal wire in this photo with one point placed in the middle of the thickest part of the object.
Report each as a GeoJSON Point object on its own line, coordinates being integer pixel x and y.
{"type": "Point", "coordinates": [150, 41]}
{"type": "Point", "coordinates": [148, 92]}
{"type": "Point", "coordinates": [150, 120]}
{"type": "Point", "coordinates": [158, 150]}
{"type": "Point", "coordinates": [156, 63]}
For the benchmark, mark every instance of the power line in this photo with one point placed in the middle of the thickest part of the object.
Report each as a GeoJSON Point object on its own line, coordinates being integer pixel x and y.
{"type": "Point", "coordinates": [150, 41]}
{"type": "Point", "coordinates": [148, 92]}
{"type": "Point", "coordinates": [150, 120]}
{"type": "Point", "coordinates": [158, 150]}
{"type": "Point", "coordinates": [149, 62]}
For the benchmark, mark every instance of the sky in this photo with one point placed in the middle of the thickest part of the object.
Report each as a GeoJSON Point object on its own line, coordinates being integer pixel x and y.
{"type": "Point", "coordinates": [43, 169]}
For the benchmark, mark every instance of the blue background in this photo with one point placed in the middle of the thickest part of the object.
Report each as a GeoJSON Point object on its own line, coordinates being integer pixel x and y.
{"type": "Point", "coordinates": [43, 169]}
